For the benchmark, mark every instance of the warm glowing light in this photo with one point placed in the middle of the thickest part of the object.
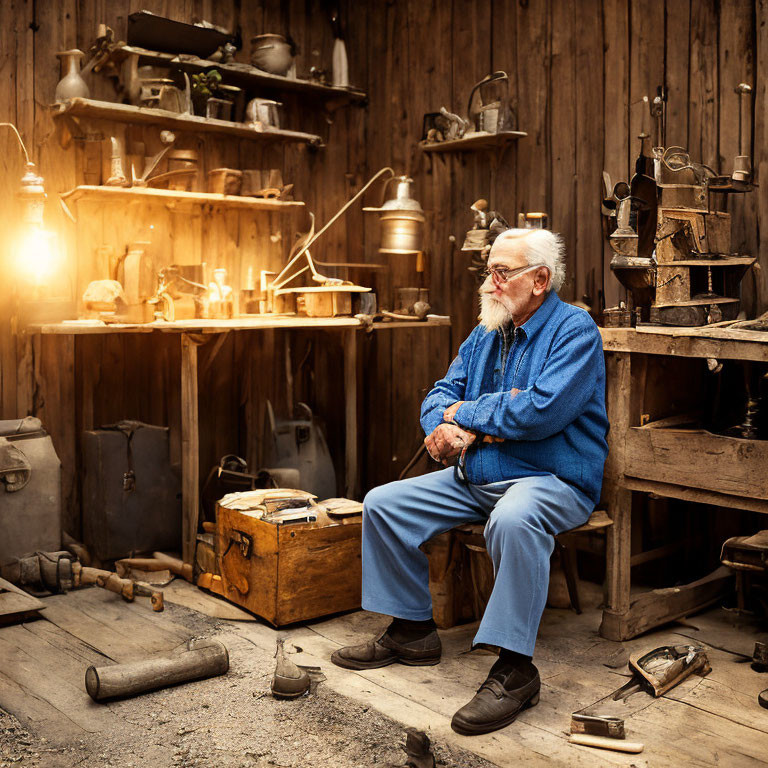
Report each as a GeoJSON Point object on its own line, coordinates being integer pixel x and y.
{"type": "Point", "coordinates": [36, 256]}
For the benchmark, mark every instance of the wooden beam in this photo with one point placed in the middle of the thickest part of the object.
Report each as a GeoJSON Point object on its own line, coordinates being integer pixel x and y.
{"type": "Point", "coordinates": [619, 500]}
{"type": "Point", "coordinates": [190, 447]}
{"type": "Point", "coordinates": [695, 458]}
{"type": "Point", "coordinates": [695, 495]}
{"type": "Point", "coordinates": [351, 473]}
{"type": "Point", "coordinates": [722, 344]}
{"type": "Point", "coordinates": [660, 606]}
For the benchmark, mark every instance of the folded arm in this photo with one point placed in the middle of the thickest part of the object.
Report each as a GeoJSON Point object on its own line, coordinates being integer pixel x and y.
{"type": "Point", "coordinates": [556, 398]}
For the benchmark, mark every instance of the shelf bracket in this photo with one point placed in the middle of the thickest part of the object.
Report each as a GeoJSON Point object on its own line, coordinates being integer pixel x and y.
{"type": "Point", "coordinates": [68, 129]}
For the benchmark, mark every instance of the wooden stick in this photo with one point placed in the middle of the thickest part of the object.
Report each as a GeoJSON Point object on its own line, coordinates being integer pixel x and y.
{"type": "Point", "coordinates": [190, 447]}
{"type": "Point", "coordinates": [196, 660]}
{"type": "Point", "coordinates": [174, 565]}
{"type": "Point", "coordinates": [126, 588]}
{"type": "Point", "coordinates": [155, 596]}
{"type": "Point", "coordinates": [114, 583]}
{"type": "Point", "coordinates": [124, 566]}
{"type": "Point", "coordinates": [603, 742]}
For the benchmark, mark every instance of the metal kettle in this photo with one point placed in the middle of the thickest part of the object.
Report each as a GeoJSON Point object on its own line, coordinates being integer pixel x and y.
{"type": "Point", "coordinates": [402, 220]}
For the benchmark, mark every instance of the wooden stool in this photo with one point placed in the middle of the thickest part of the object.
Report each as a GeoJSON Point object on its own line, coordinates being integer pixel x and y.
{"type": "Point", "coordinates": [448, 569]}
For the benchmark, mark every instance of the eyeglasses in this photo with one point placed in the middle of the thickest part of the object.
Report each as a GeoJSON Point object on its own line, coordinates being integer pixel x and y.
{"type": "Point", "coordinates": [503, 275]}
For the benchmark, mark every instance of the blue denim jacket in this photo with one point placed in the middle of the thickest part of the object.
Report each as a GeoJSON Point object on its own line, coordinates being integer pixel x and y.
{"type": "Point", "coordinates": [557, 422]}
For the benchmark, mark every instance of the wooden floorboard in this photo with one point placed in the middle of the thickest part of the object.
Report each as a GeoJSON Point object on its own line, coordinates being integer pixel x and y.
{"type": "Point", "coordinates": [43, 662]}
{"type": "Point", "coordinates": [123, 631]}
{"type": "Point", "coordinates": [711, 721]}
{"type": "Point", "coordinates": [46, 674]}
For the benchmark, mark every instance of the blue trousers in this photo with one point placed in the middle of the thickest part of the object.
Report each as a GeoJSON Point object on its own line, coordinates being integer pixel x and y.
{"type": "Point", "coordinates": [522, 518]}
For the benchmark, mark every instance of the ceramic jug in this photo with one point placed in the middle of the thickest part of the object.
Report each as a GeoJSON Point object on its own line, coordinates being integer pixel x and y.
{"type": "Point", "coordinates": [71, 84]}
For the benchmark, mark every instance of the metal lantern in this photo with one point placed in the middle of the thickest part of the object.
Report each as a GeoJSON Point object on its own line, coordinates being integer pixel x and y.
{"type": "Point", "coordinates": [402, 220]}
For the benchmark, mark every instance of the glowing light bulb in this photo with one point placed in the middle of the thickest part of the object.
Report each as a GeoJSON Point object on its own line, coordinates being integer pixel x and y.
{"type": "Point", "coordinates": [36, 257]}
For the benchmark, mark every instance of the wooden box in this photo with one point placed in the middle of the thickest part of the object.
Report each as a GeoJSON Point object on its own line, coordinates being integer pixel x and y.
{"type": "Point", "coordinates": [696, 458]}
{"type": "Point", "coordinates": [288, 571]}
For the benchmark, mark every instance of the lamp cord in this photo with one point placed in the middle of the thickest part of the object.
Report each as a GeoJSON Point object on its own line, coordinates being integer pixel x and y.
{"type": "Point", "coordinates": [18, 136]}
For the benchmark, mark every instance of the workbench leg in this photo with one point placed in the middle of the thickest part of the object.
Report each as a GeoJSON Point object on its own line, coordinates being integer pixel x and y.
{"type": "Point", "coordinates": [619, 499]}
{"type": "Point", "coordinates": [190, 448]}
{"type": "Point", "coordinates": [618, 553]}
{"type": "Point", "coordinates": [351, 479]}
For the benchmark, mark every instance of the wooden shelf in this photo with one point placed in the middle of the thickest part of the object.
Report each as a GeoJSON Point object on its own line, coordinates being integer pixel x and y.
{"type": "Point", "coordinates": [727, 261]}
{"type": "Point", "coordinates": [697, 302]}
{"type": "Point", "coordinates": [174, 198]}
{"type": "Point", "coordinates": [126, 113]}
{"type": "Point", "coordinates": [478, 142]}
{"type": "Point", "coordinates": [721, 342]}
{"type": "Point", "coordinates": [246, 76]}
{"type": "Point", "coordinates": [253, 323]}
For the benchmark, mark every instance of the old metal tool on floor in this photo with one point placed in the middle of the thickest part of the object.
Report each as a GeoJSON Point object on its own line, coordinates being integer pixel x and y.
{"type": "Point", "coordinates": [600, 730]}
{"type": "Point", "coordinates": [654, 672]}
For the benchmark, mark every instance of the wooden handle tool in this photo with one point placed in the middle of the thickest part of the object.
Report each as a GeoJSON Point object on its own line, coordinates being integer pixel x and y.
{"type": "Point", "coordinates": [602, 742]}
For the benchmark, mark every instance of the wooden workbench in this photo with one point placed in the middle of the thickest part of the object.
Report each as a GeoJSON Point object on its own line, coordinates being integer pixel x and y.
{"type": "Point", "coordinates": [192, 334]}
{"type": "Point", "coordinates": [692, 465]}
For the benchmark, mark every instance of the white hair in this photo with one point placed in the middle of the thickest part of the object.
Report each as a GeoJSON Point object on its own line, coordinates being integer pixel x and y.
{"type": "Point", "coordinates": [541, 247]}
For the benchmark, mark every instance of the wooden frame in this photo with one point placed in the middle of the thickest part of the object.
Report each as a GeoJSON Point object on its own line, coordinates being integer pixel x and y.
{"type": "Point", "coordinates": [627, 352]}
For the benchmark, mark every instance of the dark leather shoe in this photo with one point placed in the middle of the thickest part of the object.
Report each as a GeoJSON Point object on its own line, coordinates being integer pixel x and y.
{"type": "Point", "coordinates": [494, 706]}
{"type": "Point", "coordinates": [383, 651]}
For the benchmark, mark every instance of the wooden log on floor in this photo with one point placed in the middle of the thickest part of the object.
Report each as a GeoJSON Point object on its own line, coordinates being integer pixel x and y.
{"type": "Point", "coordinates": [198, 659]}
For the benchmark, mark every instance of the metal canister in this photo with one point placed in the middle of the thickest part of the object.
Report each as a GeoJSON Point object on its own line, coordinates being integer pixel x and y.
{"type": "Point", "coordinates": [402, 221]}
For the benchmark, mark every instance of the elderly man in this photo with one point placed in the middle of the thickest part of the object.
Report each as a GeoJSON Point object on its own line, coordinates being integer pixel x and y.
{"type": "Point", "coordinates": [522, 413]}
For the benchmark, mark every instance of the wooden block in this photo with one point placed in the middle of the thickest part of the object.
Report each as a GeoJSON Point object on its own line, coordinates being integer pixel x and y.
{"type": "Point", "coordinates": [15, 604]}
{"type": "Point", "coordinates": [718, 226]}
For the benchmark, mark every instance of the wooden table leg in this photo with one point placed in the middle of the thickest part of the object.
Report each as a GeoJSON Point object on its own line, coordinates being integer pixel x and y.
{"type": "Point", "coordinates": [351, 478]}
{"type": "Point", "coordinates": [618, 402]}
{"type": "Point", "coordinates": [190, 447]}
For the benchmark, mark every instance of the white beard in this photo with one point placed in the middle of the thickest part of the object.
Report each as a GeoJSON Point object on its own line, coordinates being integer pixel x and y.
{"type": "Point", "coordinates": [494, 312]}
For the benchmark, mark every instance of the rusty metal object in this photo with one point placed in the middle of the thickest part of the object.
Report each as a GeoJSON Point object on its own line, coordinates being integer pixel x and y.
{"type": "Point", "coordinates": [610, 726]}
{"type": "Point", "coordinates": [663, 668]}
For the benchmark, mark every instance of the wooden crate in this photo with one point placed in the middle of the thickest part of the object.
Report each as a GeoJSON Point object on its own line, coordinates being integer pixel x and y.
{"type": "Point", "coordinates": [288, 572]}
{"type": "Point", "coordinates": [697, 459]}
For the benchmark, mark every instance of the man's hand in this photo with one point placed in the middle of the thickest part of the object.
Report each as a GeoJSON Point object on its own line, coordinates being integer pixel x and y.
{"type": "Point", "coordinates": [450, 412]}
{"type": "Point", "coordinates": [447, 442]}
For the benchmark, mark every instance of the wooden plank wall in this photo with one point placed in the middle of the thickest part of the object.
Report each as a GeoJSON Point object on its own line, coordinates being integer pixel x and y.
{"type": "Point", "coordinates": [578, 70]}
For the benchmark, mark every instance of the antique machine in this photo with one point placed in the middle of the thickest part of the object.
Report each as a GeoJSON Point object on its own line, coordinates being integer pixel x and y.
{"type": "Point", "coordinates": [671, 237]}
